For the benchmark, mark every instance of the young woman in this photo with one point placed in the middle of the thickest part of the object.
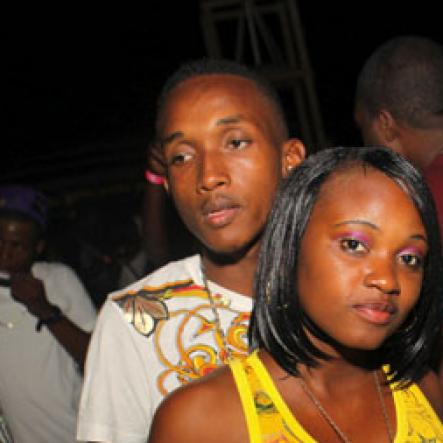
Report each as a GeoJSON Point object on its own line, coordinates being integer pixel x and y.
{"type": "Point", "coordinates": [348, 308]}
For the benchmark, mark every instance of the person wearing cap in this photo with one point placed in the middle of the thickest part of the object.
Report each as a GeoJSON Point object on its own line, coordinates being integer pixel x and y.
{"type": "Point", "coordinates": [46, 317]}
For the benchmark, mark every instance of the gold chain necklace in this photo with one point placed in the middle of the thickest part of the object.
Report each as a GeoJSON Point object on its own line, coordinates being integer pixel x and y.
{"type": "Point", "coordinates": [218, 326]}
{"type": "Point", "coordinates": [334, 425]}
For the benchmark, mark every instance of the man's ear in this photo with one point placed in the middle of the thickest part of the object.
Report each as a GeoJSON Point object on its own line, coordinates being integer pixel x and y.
{"type": "Point", "coordinates": [294, 152]}
{"type": "Point", "coordinates": [386, 127]}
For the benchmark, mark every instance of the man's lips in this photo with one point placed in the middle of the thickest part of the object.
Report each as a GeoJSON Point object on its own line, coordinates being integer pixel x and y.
{"type": "Point", "coordinates": [379, 313]}
{"type": "Point", "coordinates": [220, 212]}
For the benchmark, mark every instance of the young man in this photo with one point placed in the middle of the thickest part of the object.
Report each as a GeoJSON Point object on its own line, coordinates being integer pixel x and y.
{"type": "Point", "coordinates": [399, 104]}
{"type": "Point", "coordinates": [225, 147]}
{"type": "Point", "coordinates": [44, 315]}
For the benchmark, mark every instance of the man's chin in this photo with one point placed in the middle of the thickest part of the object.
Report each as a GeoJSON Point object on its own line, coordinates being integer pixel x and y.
{"type": "Point", "coordinates": [226, 253]}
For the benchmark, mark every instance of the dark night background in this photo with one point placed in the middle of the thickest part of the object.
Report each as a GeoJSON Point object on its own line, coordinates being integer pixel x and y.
{"type": "Point", "coordinates": [80, 93]}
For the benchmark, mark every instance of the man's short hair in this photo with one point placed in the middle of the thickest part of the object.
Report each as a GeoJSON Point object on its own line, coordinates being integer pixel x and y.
{"type": "Point", "coordinates": [213, 66]}
{"type": "Point", "coordinates": [405, 77]}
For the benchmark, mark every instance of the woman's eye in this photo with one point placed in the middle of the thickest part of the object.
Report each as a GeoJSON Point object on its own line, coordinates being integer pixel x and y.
{"type": "Point", "coordinates": [412, 260]}
{"type": "Point", "coordinates": [352, 245]}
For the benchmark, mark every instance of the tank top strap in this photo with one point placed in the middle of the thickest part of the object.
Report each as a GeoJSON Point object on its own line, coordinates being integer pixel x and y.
{"type": "Point", "coordinates": [267, 416]}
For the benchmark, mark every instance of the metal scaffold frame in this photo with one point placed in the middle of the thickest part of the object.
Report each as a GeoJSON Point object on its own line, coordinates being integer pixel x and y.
{"type": "Point", "coordinates": [268, 35]}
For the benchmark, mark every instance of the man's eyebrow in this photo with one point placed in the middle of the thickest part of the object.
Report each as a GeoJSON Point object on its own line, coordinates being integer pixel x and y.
{"type": "Point", "coordinates": [229, 120]}
{"type": "Point", "coordinates": [222, 121]}
{"type": "Point", "coordinates": [171, 137]}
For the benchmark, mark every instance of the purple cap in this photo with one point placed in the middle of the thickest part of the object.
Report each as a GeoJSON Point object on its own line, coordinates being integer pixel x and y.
{"type": "Point", "coordinates": [26, 201]}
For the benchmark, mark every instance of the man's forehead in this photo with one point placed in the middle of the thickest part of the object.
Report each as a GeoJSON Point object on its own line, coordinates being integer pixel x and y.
{"type": "Point", "coordinates": [25, 229]}
{"type": "Point", "coordinates": [216, 84]}
{"type": "Point", "coordinates": [220, 96]}
{"type": "Point", "coordinates": [226, 95]}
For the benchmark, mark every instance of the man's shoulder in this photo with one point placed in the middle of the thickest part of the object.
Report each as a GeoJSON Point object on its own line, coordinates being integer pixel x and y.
{"type": "Point", "coordinates": [55, 273]}
{"type": "Point", "coordinates": [144, 303]}
{"type": "Point", "coordinates": [174, 275]}
{"type": "Point", "coordinates": [49, 268]}
{"type": "Point", "coordinates": [175, 288]}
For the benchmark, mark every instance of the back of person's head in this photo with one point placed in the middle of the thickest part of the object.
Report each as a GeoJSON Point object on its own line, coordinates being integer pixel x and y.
{"type": "Point", "coordinates": [24, 203]}
{"type": "Point", "coordinates": [404, 76]}
{"type": "Point", "coordinates": [214, 66]}
{"type": "Point", "coordinates": [278, 322]}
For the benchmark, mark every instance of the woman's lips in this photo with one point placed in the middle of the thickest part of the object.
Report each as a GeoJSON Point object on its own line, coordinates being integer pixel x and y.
{"type": "Point", "coordinates": [379, 313]}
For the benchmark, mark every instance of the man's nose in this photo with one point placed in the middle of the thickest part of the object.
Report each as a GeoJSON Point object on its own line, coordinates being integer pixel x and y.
{"type": "Point", "coordinates": [213, 172]}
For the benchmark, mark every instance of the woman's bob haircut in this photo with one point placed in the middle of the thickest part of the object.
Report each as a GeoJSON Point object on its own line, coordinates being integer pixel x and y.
{"type": "Point", "coordinates": [278, 322]}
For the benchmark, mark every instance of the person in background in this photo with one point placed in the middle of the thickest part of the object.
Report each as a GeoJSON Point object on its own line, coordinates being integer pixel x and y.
{"type": "Point", "coordinates": [347, 295]}
{"type": "Point", "coordinates": [399, 104]}
{"type": "Point", "coordinates": [45, 321]}
{"type": "Point", "coordinates": [224, 147]}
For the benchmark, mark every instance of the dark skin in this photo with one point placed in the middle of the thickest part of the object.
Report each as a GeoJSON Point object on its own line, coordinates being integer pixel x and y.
{"type": "Point", "coordinates": [353, 263]}
{"type": "Point", "coordinates": [419, 145]}
{"type": "Point", "coordinates": [155, 225]}
{"type": "Point", "coordinates": [154, 231]}
{"type": "Point", "coordinates": [219, 404]}
{"type": "Point", "coordinates": [20, 245]}
{"type": "Point", "coordinates": [225, 152]}
{"type": "Point", "coordinates": [165, 239]}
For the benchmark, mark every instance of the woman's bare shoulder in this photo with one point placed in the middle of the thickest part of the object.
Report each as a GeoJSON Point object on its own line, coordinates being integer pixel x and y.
{"type": "Point", "coordinates": [200, 411]}
{"type": "Point", "coordinates": [430, 384]}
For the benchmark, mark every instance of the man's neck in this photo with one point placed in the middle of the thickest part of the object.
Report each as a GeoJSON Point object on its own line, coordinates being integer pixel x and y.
{"type": "Point", "coordinates": [425, 145]}
{"type": "Point", "coordinates": [236, 276]}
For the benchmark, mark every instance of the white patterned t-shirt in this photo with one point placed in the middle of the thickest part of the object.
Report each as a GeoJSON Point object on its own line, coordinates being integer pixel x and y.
{"type": "Point", "coordinates": [150, 339]}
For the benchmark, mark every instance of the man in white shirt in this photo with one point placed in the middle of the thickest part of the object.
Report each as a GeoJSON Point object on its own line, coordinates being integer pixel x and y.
{"type": "Point", "coordinates": [45, 316]}
{"type": "Point", "coordinates": [223, 145]}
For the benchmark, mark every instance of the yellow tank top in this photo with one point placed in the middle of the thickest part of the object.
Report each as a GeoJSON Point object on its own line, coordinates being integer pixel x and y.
{"type": "Point", "coordinates": [269, 419]}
